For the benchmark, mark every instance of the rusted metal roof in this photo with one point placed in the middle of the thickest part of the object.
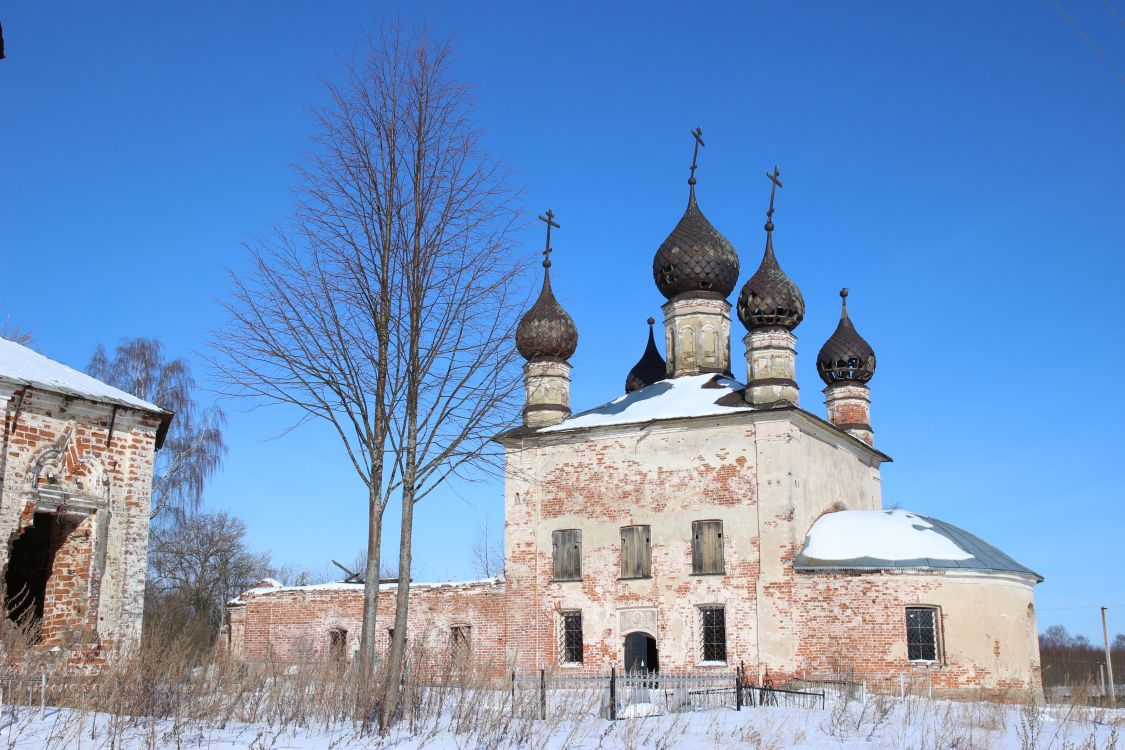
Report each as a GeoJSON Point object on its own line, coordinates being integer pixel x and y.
{"type": "Point", "coordinates": [546, 331]}
{"type": "Point", "coordinates": [650, 369]}
{"type": "Point", "coordinates": [695, 258]}
{"type": "Point", "coordinates": [845, 356]}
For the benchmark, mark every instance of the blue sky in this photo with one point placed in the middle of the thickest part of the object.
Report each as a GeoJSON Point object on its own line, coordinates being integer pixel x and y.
{"type": "Point", "coordinates": [958, 166]}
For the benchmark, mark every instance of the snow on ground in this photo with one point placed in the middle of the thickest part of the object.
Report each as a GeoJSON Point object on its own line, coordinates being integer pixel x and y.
{"type": "Point", "coordinates": [915, 724]}
{"type": "Point", "coordinates": [880, 534]}
{"type": "Point", "coordinates": [25, 366]}
{"type": "Point", "coordinates": [689, 396]}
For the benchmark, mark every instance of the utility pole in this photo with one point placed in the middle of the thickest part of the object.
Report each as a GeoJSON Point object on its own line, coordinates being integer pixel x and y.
{"type": "Point", "coordinates": [1108, 662]}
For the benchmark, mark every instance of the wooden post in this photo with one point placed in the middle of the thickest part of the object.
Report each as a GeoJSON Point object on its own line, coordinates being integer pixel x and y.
{"type": "Point", "coordinates": [737, 691]}
{"type": "Point", "coordinates": [1101, 677]}
{"type": "Point", "coordinates": [543, 694]}
{"type": "Point", "coordinates": [613, 692]}
{"type": "Point", "coordinates": [1108, 662]}
{"type": "Point", "coordinates": [513, 692]}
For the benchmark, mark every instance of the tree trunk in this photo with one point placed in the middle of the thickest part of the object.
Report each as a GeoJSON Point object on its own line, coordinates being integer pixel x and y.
{"type": "Point", "coordinates": [369, 632]}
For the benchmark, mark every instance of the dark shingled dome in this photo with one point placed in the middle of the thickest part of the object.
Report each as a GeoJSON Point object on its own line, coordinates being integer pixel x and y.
{"type": "Point", "coordinates": [650, 369]}
{"type": "Point", "coordinates": [845, 356]}
{"type": "Point", "coordinates": [546, 331]}
{"type": "Point", "coordinates": [770, 298]}
{"type": "Point", "coordinates": [695, 258]}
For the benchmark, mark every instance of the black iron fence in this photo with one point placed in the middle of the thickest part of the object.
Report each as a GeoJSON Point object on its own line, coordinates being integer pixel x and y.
{"type": "Point", "coordinates": [635, 694]}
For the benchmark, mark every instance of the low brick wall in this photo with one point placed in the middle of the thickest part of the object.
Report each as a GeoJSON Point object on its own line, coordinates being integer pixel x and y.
{"type": "Point", "coordinates": [293, 623]}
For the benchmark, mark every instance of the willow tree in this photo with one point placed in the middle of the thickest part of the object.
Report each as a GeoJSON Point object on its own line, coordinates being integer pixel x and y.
{"type": "Point", "coordinates": [385, 306]}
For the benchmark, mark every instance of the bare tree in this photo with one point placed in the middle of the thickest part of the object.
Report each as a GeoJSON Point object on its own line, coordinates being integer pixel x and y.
{"type": "Point", "coordinates": [385, 306]}
{"type": "Point", "coordinates": [194, 448]}
{"type": "Point", "coordinates": [487, 552]}
{"type": "Point", "coordinates": [14, 332]}
{"type": "Point", "coordinates": [456, 301]}
{"type": "Point", "coordinates": [199, 563]}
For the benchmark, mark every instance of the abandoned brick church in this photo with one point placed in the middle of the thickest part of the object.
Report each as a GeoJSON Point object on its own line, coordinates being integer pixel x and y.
{"type": "Point", "coordinates": [75, 496]}
{"type": "Point", "coordinates": [699, 522]}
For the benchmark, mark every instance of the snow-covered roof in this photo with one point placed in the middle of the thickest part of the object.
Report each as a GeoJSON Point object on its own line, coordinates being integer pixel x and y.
{"type": "Point", "coordinates": [873, 539]}
{"type": "Point", "coordinates": [25, 366]}
{"type": "Point", "coordinates": [271, 586]}
{"type": "Point", "coordinates": [686, 396]}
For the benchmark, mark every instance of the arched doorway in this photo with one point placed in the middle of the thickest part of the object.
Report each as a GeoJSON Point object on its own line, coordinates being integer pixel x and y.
{"type": "Point", "coordinates": [640, 653]}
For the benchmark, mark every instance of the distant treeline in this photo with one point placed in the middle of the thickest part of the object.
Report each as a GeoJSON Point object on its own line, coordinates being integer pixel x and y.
{"type": "Point", "coordinates": [1073, 659]}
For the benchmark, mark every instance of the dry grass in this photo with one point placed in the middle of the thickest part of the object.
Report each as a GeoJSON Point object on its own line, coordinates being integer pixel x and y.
{"type": "Point", "coordinates": [174, 691]}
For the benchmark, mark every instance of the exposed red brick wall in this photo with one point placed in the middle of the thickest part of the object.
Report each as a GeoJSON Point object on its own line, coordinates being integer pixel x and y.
{"type": "Point", "coordinates": [101, 461]}
{"type": "Point", "coordinates": [294, 623]}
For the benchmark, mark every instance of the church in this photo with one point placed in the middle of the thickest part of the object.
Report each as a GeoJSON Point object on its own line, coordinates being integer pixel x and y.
{"type": "Point", "coordinates": [75, 497]}
{"type": "Point", "coordinates": [699, 521]}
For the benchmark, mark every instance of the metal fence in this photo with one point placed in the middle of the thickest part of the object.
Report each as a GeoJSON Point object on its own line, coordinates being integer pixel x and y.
{"type": "Point", "coordinates": [622, 695]}
{"type": "Point", "coordinates": [23, 691]}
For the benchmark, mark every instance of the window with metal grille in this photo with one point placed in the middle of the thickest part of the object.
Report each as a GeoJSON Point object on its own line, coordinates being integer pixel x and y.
{"type": "Point", "coordinates": [570, 637]}
{"type": "Point", "coordinates": [461, 646]}
{"type": "Point", "coordinates": [566, 554]}
{"type": "Point", "coordinates": [922, 633]}
{"type": "Point", "coordinates": [706, 547]}
{"type": "Point", "coordinates": [713, 633]}
{"type": "Point", "coordinates": [636, 552]}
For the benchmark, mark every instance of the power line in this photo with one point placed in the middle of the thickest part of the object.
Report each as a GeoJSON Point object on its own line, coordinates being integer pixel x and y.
{"type": "Point", "coordinates": [1108, 63]}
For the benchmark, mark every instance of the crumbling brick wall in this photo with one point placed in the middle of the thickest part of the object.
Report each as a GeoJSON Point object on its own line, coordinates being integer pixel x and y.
{"type": "Point", "coordinates": [294, 623]}
{"type": "Point", "coordinates": [855, 621]}
{"type": "Point", "coordinates": [87, 468]}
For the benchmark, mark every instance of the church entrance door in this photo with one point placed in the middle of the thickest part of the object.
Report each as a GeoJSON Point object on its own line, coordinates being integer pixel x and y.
{"type": "Point", "coordinates": [640, 653]}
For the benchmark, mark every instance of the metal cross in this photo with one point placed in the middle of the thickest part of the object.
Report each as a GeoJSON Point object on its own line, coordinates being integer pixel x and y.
{"type": "Point", "coordinates": [698, 134]}
{"type": "Point", "coordinates": [550, 221]}
{"type": "Point", "coordinates": [773, 189]}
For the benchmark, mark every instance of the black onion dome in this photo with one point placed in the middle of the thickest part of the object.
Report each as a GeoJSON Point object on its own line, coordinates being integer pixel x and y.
{"type": "Point", "coordinates": [845, 356]}
{"type": "Point", "coordinates": [695, 258]}
{"type": "Point", "coordinates": [546, 331]}
{"type": "Point", "coordinates": [770, 298]}
{"type": "Point", "coordinates": [650, 369]}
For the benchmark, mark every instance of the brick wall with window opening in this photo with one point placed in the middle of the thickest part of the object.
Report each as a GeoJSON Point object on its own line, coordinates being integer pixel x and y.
{"type": "Point", "coordinates": [461, 647]}
{"type": "Point", "coordinates": [713, 634]}
{"type": "Point", "coordinates": [338, 645]}
{"type": "Point", "coordinates": [636, 552]}
{"type": "Point", "coordinates": [570, 641]}
{"type": "Point", "coordinates": [707, 547]}
{"type": "Point", "coordinates": [922, 634]}
{"type": "Point", "coordinates": [566, 550]}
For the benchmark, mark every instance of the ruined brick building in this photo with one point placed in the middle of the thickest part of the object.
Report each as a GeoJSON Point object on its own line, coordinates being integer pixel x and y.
{"type": "Point", "coordinates": [698, 521]}
{"type": "Point", "coordinates": [75, 488]}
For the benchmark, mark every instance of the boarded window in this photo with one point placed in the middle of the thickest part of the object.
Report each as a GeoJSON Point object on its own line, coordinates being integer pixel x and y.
{"type": "Point", "coordinates": [570, 637]}
{"type": "Point", "coordinates": [706, 547]}
{"type": "Point", "coordinates": [713, 634]}
{"type": "Point", "coordinates": [567, 555]}
{"type": "Point", "coordinates": [461, 646]}
{"type": "Point", "coordinates": [636, 552]}
{"type": "Point", "coordinates": [338, 645]}
{"type": "Point", "coordinates": [921, 633]}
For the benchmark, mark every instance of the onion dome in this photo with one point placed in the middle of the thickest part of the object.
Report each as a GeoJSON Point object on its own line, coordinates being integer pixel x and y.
{"type": "Point", "coordinates": [650, 369]}
{"type": "Point", "coordinates": [695, 258]}
{"type": "Point", "coordinates": [845, 356]}
{"type": "Point", "coordinates": [770, 298]}
{"type": "Point", "coordinates": [546, 331]}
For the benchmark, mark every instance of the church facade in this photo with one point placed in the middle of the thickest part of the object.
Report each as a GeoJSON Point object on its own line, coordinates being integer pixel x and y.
{"type": "Point", "coordinates": [75, 496]}
{"type": "Point", "coordinates": [699, 522]}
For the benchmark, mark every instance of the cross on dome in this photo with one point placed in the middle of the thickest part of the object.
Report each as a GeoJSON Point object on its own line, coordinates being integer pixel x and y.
{"type": "Point", "coordinates": [549, 219]}
{"type": "Point", "coordinates": [773, 191]}
{"type": "Point", "coordinates": [698, 135]}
